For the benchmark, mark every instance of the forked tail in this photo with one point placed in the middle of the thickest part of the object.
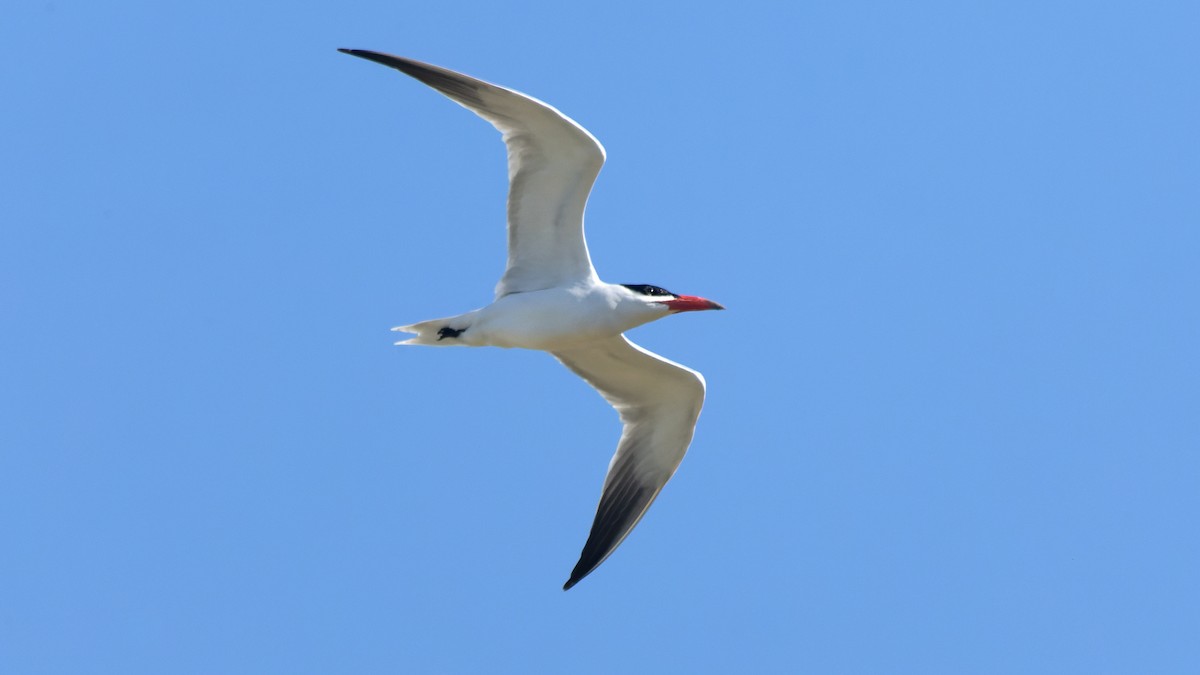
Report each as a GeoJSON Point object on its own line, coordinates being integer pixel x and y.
{"type": "Point", "coordinates": [438, 332]}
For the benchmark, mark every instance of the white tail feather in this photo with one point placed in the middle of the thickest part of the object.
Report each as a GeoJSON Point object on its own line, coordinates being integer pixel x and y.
{"type": "Point", "coordinates": [430, 332]}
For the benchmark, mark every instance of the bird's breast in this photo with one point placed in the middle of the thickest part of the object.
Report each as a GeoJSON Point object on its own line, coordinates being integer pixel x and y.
{"type": "Point", "coordinates": [547, 320]}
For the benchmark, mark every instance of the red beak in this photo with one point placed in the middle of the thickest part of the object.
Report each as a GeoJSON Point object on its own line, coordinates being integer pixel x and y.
{"type": "Point", "coordinates": [690, 303]}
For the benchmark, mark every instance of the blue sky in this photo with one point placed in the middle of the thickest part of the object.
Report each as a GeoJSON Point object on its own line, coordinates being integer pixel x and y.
{"type": "Point", "coordinates": [952, 417]}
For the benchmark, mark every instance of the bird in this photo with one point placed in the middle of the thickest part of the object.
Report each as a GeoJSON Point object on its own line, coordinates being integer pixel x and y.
{"type": "Point", "coordinates": [550, 298]}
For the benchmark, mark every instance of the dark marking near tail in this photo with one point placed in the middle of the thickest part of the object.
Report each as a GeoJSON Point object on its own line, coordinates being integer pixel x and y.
{"type": "Point", "coordinates": [448, 332]}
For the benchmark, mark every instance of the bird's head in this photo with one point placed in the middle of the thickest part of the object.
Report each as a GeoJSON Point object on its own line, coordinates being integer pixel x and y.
{"type": "Point", "coordinates": [660, 298]}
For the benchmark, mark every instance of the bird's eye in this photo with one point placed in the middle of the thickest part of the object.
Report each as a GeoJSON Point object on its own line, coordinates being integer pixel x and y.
{"type": "Point", "coordinates": [647, 289]}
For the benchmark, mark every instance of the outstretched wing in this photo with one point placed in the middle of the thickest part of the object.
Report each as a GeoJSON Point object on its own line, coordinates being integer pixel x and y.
{"type": "Point", "coordinates": [552, 163]}
{"type": "Point", "coordinates": [659, 402]}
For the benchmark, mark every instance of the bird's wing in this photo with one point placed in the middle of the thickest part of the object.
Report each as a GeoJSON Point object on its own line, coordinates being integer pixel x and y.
{"type": "Point", "coordinates": [552, 163]}
{"type": "Point", "coordinates": [659, 402]}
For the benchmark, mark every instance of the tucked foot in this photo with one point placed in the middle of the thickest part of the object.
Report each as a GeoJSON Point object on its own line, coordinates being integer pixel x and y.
{"type": "Point", "coordinates": [448, 332]}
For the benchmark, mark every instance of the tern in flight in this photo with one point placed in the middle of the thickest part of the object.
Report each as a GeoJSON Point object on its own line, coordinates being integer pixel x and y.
{"type": "Point", "coordinates": [551, 299]}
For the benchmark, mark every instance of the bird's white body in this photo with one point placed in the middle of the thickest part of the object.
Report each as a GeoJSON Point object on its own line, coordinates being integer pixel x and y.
{"type": "Point", "coordinates": [548, 320]}
{"type": "Point", "coordinates": [551, 299]}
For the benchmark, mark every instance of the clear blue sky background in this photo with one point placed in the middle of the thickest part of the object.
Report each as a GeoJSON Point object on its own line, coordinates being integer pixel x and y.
{"type": "Point", "coordinates": [952, 418]}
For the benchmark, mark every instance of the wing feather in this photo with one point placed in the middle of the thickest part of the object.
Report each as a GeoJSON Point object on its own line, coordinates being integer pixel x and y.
{"type": "Point", "coordinates": [659, 402]}
{"type": "Point", "coordinates": [552, 164]}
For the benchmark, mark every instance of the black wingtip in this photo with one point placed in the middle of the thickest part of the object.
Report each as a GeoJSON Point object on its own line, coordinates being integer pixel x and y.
{"type": "Point", "coordinates": [381, 58]}
{"type": "Point", "coordinates": [455, 85]}
{"type": "Point", "coordinates": [361, 53]}
{"type": "Point", "coordinates": [588, 562]}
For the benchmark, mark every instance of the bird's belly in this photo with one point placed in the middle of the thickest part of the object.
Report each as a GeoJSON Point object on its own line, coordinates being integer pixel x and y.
{"type": "Point", "coordinates": [546, 321]}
